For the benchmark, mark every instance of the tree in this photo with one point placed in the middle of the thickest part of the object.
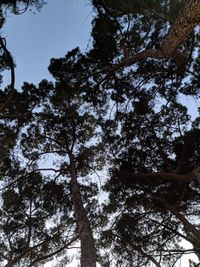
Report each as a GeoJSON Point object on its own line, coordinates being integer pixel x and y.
{"type": "Point", "coordinates": [153, 191]}
{"type": "Point", "coordinates": [16, 7]}
{"type": "Point", "coordinates": [35, 212]}
{"type": "Point", "coordinates": [65, 127]}
{"type": "Point", "coordinates": [133, 117]}
{"type": "Point", "coordinates": [139, 161]}
{"type": "Point", "coordinates": [170, 47]}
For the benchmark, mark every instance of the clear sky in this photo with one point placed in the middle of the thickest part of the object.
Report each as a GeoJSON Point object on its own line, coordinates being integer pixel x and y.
{"type": "Point", "coordinates": [34, 38]}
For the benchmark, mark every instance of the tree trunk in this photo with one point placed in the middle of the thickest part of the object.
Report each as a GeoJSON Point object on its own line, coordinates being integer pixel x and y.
{"type": "Point", "coordinates": [88, 251]}
{"type": "Point", "coordinates": [188, 18]}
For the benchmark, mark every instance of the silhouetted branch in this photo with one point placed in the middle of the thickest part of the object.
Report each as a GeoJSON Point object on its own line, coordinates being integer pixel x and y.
{"type": "Point", "coordinates": [12, 72]}
{"type": "Point", "coordinates": [54, 253]}
{"type": "Point", "coordinates": [188, 18]}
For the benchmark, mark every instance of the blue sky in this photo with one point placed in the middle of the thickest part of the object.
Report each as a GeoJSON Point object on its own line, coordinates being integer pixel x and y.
{"type": "Point", "coordinates": [34, 38]}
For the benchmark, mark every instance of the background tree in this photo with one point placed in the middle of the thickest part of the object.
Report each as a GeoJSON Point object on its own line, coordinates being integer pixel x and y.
{"type": "Point", "coordinates": [36, 219]}
{"type": "Point", "coordinates": [16, 7]}
{"type": "Point", "coordinates": [153, 190]}
{"type": "Point", "coordinates": [169, 47]}
{"type": "Point", "coordinates": [144, 152]}
{"type": "Point", "coordinates": [150, 143]}
{"type": "Point", "coordinates": [66, 128]}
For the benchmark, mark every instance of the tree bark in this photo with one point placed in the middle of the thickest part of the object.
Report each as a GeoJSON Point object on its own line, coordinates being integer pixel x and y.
{"type": "Point", "coordinates": [188, 18]}
{"type": "Point", "coordinates": [88, 251]}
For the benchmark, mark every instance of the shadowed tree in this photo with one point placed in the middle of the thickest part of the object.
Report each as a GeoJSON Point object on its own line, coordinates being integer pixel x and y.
{"type": "Point", "coordinates": [153, 15]}
{"type": "Point", "coordinates": [141, 132]}
{"type": "Point", "coordinates": [154, 175]}
{"type": "Point", "coordinates": [16, 7]}
{"type": "Point", "coordinates": [154, 187]}
{"type": "Point", "coordinates": [36, 218]}
{"type": "Point", "coordinates": [66, 127]}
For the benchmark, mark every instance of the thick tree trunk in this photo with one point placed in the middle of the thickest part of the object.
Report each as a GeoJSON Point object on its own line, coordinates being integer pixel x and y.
{"type": "Point", "coordinates": [88, 251]}
{"type": "Point", "coordinates": [187, 19]}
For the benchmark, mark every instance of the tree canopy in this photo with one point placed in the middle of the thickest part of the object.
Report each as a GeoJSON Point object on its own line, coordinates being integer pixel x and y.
{"type": "Point", "coordinates": [116, 108]}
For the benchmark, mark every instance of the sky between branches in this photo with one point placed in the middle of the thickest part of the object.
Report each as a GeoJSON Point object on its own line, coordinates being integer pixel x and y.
{"type": "Point", "coordinates": [35, 37]}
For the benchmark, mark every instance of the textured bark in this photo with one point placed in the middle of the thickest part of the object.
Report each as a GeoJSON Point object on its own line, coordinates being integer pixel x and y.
{"type": "Point", "coordinates": [187, 19]}
{"type": "Point", "coordinates": [88, 251]}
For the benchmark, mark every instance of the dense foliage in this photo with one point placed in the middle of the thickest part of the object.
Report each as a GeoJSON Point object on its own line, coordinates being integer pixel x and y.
{"type": "Point", "coordinates": [117, 107]}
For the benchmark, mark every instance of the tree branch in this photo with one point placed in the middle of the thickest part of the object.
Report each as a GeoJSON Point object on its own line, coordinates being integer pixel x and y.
{"type": "Point", "coordinates": [53, 253]}
{"type": "Point", "coordinates": [188, 18]}
{"type": "Point", "coordinates": [12, 73]}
